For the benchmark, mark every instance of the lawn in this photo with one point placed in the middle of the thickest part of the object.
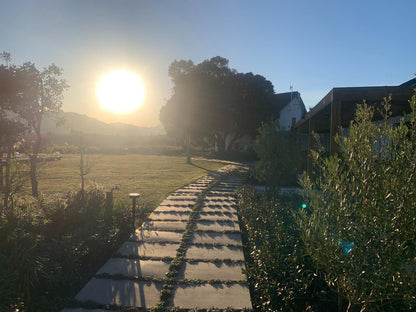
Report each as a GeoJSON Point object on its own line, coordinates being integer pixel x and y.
{"type": "Point", "coordinates": [154, 177]}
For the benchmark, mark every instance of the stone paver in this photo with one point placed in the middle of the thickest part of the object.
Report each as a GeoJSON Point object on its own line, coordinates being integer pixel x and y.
{"type": "Point", "coordinates": [180, 197]}
{"type": "Point", "coordinates": [179, 202]}
{"type": "Point", "coordinates": [218, 216]}
{"type": "Point", "coordinates": [214, 252]}
{"type": "Point", "coordinates": [164, 225]}
{"type": "Point", "coordinates": [135, 268]}
{"type": "Point", "coordinates": [216, 238]}
{"type": "Point", "coordinates": [217, 226]}
{"type": "Point", "coordinates": [156, 236]}
{"type": "Point", "coordinates": [148, 250]}
{"type": "Point", "coordinates": [180, 216]}
{"type": "Point", "coordinates": [171, 208]}
{"type": "Point", "coordinates": [216, 197]}
{"type": "Point", "coordinates": [218, 208]}
{"type": "Point", "coordinates": [208, 296]}
{"type": "Point", "coordinates": [213, 192]}
{"type": "Point", "coordinates": [121, 292]}
{"type": "Point", "coordinates": [212, 271]}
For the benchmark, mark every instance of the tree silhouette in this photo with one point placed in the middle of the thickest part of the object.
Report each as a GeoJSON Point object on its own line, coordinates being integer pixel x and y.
{"type": "Point", "coordinates": [210, 99]}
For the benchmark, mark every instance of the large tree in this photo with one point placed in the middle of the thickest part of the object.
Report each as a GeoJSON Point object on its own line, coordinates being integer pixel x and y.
{"type": "Point", "coordinates": [210, 99]}
{"type": "Point", "coordinates": [29, 94]}
{"type": "Point", "coordinates": [43, 92]}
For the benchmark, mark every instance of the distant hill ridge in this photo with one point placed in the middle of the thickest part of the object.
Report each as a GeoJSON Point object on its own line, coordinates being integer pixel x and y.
{"type": "Point", "coordinates": [64, 123]}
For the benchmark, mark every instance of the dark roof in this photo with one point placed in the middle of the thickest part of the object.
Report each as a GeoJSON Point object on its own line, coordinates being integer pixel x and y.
{"type": "Point", "coordinates": [410, 83]}
{"type": "Point", "coordinates": [349, 98]}
{"type": "Point", "coordinates": [283, 99]}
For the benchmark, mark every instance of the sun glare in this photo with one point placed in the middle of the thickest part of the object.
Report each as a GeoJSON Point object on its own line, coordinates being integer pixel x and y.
{"type": "Point", "coordinates": [120, 91]}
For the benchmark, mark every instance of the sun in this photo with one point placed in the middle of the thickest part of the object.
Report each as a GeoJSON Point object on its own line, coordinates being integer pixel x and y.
{"type": "Point", "coordinates": [120, 91]}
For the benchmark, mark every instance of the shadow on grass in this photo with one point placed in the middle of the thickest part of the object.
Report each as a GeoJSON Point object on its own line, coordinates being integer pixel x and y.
{"type": "Point", "coordinates": [192, 164]}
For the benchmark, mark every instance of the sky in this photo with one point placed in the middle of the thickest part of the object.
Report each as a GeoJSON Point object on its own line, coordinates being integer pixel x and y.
{"type": "Point", "coordinates": [313, 46]}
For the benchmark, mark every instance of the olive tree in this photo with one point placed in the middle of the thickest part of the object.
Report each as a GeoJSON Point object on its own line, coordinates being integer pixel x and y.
{"type": "Point", "coordinates": [359, 224]}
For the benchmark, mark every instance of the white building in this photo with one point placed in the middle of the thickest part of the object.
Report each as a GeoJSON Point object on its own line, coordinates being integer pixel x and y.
{"type": "Point", "coordinates": [290, 108]}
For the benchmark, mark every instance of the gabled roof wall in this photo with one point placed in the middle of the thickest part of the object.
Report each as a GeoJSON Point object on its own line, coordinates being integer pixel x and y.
{"type": "Point", "coordinates": [283, 99]}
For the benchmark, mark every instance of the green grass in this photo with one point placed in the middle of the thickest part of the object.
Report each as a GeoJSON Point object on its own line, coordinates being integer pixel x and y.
{"type": "Point", "coordinates": [154, 177]}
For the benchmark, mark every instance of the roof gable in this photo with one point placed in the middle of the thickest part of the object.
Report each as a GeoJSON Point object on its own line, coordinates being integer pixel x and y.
{"type": "Point", "coordinates": [283, 99]}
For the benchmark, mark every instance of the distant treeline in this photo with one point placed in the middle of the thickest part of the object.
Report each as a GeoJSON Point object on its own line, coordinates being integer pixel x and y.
{"type": "Point", "coordinates": [111, 144]}
{"type": "Point", "coordinates": [119, 145]}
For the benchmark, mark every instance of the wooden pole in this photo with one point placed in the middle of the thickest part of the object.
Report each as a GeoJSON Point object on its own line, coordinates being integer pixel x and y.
{"type": "Point", "coordinates": [134, 197]}
{"type": "Point", "coordinates": [335, 126]}
{"type": "Point", "coordinates": [311, 128]}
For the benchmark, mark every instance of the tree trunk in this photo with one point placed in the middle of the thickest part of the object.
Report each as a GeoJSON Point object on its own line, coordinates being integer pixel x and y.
{"type": "Point", "coordinates": [220, 140]}
{"type": "Point", "coordinates": [33, 178]}
{"type": "Point", "coordinates": [2, 186]}
{"type": "Point", "coordinates": [81, 169]}
{"type": "Point", "coordinates": [82, 172]}
{"type": "Point", "coordinates": [7, 181]}
{"type": "Point", "coordinates": [188, 149]}
{"type": "Point", "coordinates": [1, 174]}
{"type": "Point", "coordinates": [34, 156]}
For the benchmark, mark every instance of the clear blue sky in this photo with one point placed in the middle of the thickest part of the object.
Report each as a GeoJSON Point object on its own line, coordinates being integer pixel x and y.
{"type": "Point", "coordinates": [311, 45]}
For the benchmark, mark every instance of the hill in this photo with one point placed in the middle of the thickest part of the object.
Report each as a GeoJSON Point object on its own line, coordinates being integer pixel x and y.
{"type": "Point", "coordinates": [66, 123]}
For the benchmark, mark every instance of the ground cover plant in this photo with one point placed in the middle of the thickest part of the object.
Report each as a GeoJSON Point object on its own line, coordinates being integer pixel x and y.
{"type": "Point", "coordinates": [360, 217]}
{"type": "Point", "coordinates": [49, 247]}
{"type": "Point", "coordinates": [281, 274]}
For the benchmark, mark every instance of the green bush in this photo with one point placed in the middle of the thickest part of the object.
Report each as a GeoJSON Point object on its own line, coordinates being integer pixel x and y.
{"type": "Point", "coordinates": [277, 152]}
{"type": "Point", "coordinates": [359, 226]}
{"type": "Point", "coordinates": [49, 248]}
{"type": "Point", "coordinates": [280, 272]}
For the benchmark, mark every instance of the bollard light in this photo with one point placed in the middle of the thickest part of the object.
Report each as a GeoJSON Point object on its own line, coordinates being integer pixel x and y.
{"type": "Point", "coordinates": [134, 197]}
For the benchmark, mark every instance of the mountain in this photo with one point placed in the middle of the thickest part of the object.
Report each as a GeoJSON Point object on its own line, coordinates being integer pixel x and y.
{"type": "Point", "coordinates": [65, 123]}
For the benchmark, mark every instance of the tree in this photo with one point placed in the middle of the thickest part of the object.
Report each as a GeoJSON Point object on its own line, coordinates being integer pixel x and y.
{"type": "Point", "coordinates": [12, 127]}
{"type": "Point", "coordinates": [42, 92]}
{"type": "Point", "coordinates": [360, 218]}
{"type": "Point", "coordinates": [210, 99]}
{"type": "Point", "coordinates": [277, 152]}
{"type": "Point", "coordinates": [84, 165]}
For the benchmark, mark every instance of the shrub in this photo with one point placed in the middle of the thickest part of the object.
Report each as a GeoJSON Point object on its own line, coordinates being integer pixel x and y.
{"type": "Point", "coordinates": [279, 270]}
{"type": "Point", "coordinates": [51, 246]}
{"type": "Point", "coordinates": [359, 227]}
{"type": "Point", "coordinates": [278, 153]}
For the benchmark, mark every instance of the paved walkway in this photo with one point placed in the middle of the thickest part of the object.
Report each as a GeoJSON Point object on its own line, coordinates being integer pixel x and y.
{"type": "Point", "coordinates": [188, 254]}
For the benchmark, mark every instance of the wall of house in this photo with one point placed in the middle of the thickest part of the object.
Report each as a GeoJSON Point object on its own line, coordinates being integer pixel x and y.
{"type": "Point", "coordinates": [292, 110]}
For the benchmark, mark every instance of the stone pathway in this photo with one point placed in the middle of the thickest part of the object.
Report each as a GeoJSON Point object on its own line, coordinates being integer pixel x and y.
{"type": "Point", "coordinates": [188, 254]}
